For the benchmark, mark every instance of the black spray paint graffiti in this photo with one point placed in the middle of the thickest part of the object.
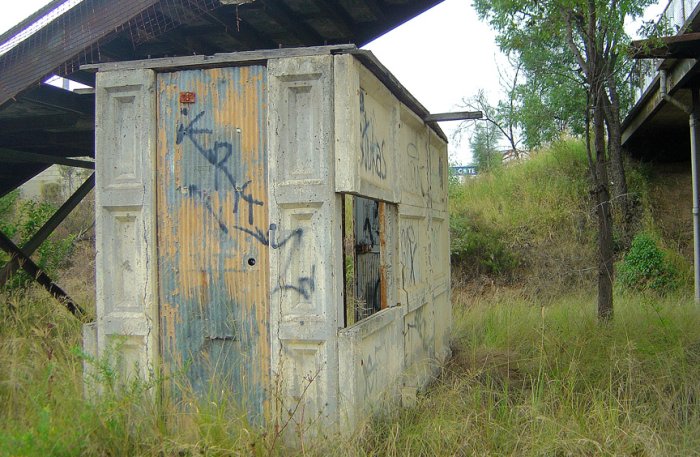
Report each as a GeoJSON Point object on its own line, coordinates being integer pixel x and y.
{"type": "Point", "coordinates": [422, 331]}
{"type": "Point", "coordinates": [366, 234]}
{"type": "Point", "coordinates": [417, 170]}
{"type": "Point", "coordinates": [220, 161]}
{"type": "Point", "coordinates": [305, 285]}
{"type": "Point", "coordinates": [219, 156]}
{"type": "Point", "coordinates": [265, 238]}
{"type": "Point", "coordinates": [409, 247]}
{"type": "Point", "coordinates": [370, 370]}
{"type": "Point", "coordinates": [372, 150]}
{"type": "Point", "coordinates": [269, 239]}
{"type": "Point", "coordinates": [205, 198]}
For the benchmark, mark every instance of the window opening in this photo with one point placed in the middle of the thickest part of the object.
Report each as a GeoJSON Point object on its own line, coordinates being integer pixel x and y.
{"type": "Point", "coordinates": [363, 246]}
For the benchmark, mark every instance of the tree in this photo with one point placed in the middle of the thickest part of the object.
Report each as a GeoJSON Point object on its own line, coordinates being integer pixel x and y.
{"type": "Point", "coordinates": [68, 174]}
{"type": "Point", "coordinates": [550, 105]}
{"type": "Point", "coordinates": [581, 42]}
{"type": "Point", "coordinates": [503, 116]}
{"type": "Point", "coordinates": [484, 145]}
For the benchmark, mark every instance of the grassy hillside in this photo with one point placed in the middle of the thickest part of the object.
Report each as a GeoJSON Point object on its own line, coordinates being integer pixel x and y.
{"type": "Point", "coordinates": [529, 223]}
{"type": "Point", "coordinates": [533, 372]}
{"type": "Point", "coordinates": [532, 225]}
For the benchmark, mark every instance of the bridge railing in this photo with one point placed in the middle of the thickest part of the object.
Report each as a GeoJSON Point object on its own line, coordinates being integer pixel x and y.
{"type": "Point", "coordinates": [673, 18]}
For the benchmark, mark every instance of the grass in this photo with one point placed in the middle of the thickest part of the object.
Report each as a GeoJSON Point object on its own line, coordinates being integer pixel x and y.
{"type": "Point", "coordinates": [533, 372]}
{"type": "Point", "coordinates": [539, 212]}
{"type": "Point", "coordinates": [525, 379]}
{"type": "Point", "coordinates": [44, 411]}
{"type": "Point", "coordinates": [532, 380]}
{"type": "Point", "coordinates": [532, 224]}
{"type": "Point", "coordinates": [541, 195]}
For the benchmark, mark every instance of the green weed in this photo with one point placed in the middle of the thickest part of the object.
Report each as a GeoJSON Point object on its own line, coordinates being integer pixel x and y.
{"type": "Point", "coordinates": [20, 220]}
{"type": "Point", "coordinates": [530, 223]}
{"type": "Point", "coordinates": [647, 266]}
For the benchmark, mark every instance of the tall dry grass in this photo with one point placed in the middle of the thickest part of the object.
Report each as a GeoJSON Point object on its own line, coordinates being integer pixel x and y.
{"type": "Point", "coordinates": [531, 380]}
{"type": "Point", "coordinates": [44, 411]}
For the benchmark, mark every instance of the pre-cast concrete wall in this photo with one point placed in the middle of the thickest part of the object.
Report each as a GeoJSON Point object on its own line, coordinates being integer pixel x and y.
{"type": "Point", "coordinates": [385, 151]}
{"type": "Point", "coordinates": [329, 128]}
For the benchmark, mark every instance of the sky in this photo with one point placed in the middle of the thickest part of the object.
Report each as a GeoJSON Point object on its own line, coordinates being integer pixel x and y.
{"type": "Point", "coordinates": [441, 57]}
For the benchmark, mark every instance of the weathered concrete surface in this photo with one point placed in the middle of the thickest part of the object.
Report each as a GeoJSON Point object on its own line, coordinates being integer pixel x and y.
{"type": "Point", "coordinates": [371, 359]}
{"type": "Point", "coordinates": [385, 151]}
{"type": "Point", "coordinates": [302, 131]}
{"type": "Point", "coordinates": [126, 262]}
{"type": "Point", "coordinates": [306, 280]}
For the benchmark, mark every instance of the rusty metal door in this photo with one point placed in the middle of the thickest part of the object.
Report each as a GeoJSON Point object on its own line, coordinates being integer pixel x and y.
{"type": "Point", "coordinates": [212, 212]}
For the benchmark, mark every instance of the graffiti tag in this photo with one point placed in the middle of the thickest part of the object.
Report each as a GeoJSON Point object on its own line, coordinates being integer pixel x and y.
{"type": "Point", "coordinates": [371, 149]}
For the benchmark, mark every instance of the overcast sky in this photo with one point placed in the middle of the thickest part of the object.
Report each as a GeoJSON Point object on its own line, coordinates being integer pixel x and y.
{"type": "Point", "coordinates": [440, 56]}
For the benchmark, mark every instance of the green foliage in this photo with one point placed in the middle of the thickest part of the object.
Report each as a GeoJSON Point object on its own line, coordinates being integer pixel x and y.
{"type": "Point", "coordinates": [548, 38]}
{"type": "Point", "coordinates": [484, 145]}
{"type": "Point", "coordinates": [45, 411]}
{"type": "Point", "coordinates": [646, 266]}
{"type": "Point", "coordinates": [529, 221]}
{"type": "Point", "coordinates": [7, 211]}
{"type": "Point", "coordinates": [479, 245]}
{"type": "Point", "coordinates": [525, 379]}
{"type": "Point", "coordinates": [550, 105]}
{"type": "Point", "coordinates": [20, 220]}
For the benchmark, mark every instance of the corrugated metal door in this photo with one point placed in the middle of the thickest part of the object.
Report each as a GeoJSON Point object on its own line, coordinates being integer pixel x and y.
{"type": "Point", "coordinates": [213, 232]}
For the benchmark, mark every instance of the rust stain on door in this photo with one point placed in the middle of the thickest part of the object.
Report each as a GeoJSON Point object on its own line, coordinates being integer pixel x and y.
{"type": "Point", "coordinates": [213, 232]}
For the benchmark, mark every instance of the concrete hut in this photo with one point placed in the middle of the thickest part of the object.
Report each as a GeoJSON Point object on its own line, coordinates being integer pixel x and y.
{"type": "Point", "coordinates": [272, 223]}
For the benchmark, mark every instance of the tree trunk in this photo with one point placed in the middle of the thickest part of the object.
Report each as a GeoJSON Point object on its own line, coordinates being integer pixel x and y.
{"type": "Point", "coordinates": [617, 168]}
{"type": "Point", "coordinates": [605, 221]}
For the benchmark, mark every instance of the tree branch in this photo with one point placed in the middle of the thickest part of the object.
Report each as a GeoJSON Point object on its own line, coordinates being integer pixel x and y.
{"type": "Point", "coordinates": [573, 48]}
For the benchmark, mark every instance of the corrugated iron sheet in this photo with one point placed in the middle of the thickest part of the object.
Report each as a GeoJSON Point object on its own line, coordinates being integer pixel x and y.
{"type": "Point", "coordinates": [213, 231]}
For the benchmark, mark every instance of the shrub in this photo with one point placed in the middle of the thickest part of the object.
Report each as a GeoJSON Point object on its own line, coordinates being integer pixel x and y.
{"type": "Point", "coordinates": [529, 222]}
{"type": "Point", "coordinates": [20, 220]}
{"type": "Point", "coordinates": [647, 266]}
{"type": "Point", "coordinates": [7, 211]}
{"type": "Point", "coordinates": [478, 247]}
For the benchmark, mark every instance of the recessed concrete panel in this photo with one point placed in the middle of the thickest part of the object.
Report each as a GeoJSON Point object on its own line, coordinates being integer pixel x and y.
{"type": "Point", "coordinates": [413, 160]}
{"type": "Point", "coordinates": [304, 280]}
{"type": "Point", "coordinates": [125, 220]}
{"type": "Point", "coordinates": [368, 123]}
{"type": "Point", "coordinates": [371, 362]}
